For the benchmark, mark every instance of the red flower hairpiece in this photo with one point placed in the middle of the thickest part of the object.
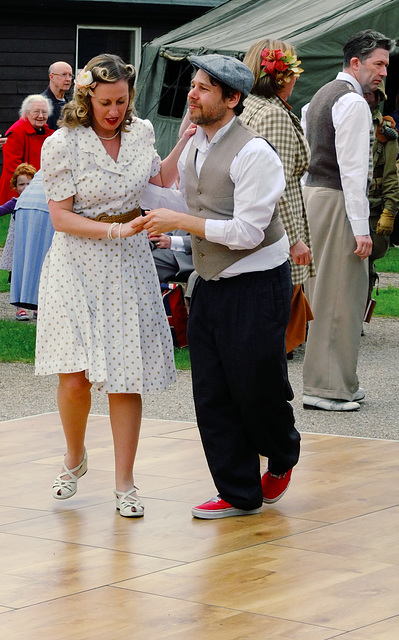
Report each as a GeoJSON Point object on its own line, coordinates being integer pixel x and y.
{"type": "Point", "coordinates": [280, 65]}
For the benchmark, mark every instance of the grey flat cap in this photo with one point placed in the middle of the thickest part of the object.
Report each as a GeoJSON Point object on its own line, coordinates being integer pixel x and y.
{"type": "Point", "coordinates": [229, 70]}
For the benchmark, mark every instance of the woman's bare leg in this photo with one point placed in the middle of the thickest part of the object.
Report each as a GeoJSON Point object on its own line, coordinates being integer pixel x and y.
{"type": "Point", "coordinates": [74, 402]}
{"type": "Point", "coordinates": [125, 415]}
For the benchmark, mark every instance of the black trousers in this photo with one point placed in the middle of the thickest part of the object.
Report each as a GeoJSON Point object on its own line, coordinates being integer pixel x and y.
{"type": "Point", "coordinates": [236, 335]}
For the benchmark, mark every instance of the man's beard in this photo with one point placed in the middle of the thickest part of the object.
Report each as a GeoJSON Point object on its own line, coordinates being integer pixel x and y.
{"type": "Point", "coordinates": [206, 119]}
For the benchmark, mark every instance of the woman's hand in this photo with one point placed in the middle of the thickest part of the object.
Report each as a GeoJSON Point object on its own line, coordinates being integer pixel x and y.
{"type": "Point", "coordinates": [300, 253]}
{"type": "Point", "coordinates": [187, 133]}
{"type": "Point", "coordinates": [168, 173]}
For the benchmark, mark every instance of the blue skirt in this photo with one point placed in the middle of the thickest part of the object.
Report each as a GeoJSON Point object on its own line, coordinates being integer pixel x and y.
{"type": "Point", "coordinates": [33, 235]}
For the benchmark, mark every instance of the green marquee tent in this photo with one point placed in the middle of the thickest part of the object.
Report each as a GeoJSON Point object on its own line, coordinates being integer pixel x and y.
{"type": "Point", "coordinates": [318, 29]}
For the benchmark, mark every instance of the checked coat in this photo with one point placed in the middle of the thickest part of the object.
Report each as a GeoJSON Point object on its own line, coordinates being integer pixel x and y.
{"type": "Point", "coordinates": [272, 119]}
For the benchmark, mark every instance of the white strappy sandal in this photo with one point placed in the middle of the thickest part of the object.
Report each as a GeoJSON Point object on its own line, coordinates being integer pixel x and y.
{"type": "Point", "coordinates": [129, 504]}
{"type": "Point", "coordinates": [64, 488]}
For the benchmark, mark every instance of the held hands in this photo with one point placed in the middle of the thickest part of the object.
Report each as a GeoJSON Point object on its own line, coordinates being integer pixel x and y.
{"type": "Point", "coordinates": [385, 223]}
{"type": "Point", "coordinates": [364, 246]}
{"type": "Point", "coordinates": [155, 222]}
{"type": "Point", "coordinates": [300, 253]}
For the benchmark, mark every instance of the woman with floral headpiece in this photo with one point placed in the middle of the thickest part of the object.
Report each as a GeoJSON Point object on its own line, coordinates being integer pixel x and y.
{"type": "Point", "coordinates": [102, 321]}
{"type": "Point", "coordinates": [276, 69]}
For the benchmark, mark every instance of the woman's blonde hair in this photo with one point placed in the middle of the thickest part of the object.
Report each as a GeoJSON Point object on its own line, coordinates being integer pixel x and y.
{"type": "Point", "coordinates": [23, 169]}
{"type": "Point", "coordinates": [104, 68]}
{"type": "Point", "coordinates": [266, 86]}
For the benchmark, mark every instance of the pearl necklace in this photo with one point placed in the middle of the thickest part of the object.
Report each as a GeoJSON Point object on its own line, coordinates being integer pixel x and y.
{"type": "Point", "coordinates": [116, 134]}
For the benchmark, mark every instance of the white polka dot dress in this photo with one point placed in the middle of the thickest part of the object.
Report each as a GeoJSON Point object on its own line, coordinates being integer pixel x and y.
{"type": "Point", "coordinates": [100, 306]}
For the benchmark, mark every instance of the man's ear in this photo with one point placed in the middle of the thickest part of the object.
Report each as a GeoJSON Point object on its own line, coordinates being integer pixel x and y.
{"type": "Point", "coordinates": [355, 63]}
{"type": "Point", "coordinates": [234, 99]}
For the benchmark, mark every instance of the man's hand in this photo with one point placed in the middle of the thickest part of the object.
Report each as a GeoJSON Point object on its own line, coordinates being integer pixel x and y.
{"type": "Point", "coordinates": [300, 253]}
{"type": "Point", "coordinates": [364, 245]}
{"type": "Point", "coordinates": [161, 241]}
{"type": "Point", "coordinates": [159, 221]}
{"type": "Point", "coordinates": [2, 141]}
{"type": "Point", "coordinates": [156, 222]}
{"type": "Point", "coordinates": [385, 223]}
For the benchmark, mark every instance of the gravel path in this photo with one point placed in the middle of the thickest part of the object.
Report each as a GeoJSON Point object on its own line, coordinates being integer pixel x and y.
{"type": "Point", "coordinates": [24, 394]}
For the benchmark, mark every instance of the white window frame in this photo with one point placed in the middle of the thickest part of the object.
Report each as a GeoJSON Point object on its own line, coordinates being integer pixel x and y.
{"type": "Point", "coordinates": [136, 48]}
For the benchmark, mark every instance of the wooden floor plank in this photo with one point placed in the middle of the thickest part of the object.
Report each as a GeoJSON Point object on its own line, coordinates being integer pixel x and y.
{"type": "Point", "coordinates": [109, 613]}
{"type": "Point", "coordinates": [308, 587]}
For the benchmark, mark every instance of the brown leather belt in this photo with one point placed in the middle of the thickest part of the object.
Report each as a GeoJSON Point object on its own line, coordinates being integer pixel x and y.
{"type": "Point", "coordinates": [123, 217]}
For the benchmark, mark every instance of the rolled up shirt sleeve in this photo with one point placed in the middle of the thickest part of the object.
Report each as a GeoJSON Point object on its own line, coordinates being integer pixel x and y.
{"type": "Point", "coordinates": [258, 177]}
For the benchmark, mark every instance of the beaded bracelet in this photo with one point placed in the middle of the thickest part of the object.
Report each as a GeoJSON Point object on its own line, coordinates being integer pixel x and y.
{"type": "Point", "coordinates": [111, 226]}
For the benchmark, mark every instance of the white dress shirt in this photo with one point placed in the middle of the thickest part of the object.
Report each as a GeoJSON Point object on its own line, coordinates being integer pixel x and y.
{"type": "Point", "coordinates": [351, 118]}
{"type": "Point", "coordinates": [258, 178]}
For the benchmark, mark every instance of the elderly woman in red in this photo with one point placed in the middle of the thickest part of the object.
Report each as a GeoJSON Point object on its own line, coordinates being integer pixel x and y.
{"type": "Point", "coordinates": [25, 140]}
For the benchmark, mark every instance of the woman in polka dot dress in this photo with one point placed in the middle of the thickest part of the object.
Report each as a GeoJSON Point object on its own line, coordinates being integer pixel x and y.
{"type": "Point", "coordinates": [102, 320]}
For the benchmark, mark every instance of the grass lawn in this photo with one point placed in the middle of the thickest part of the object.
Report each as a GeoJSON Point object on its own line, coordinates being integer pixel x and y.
{"type": "Point", "coordinates": [17, 344]}
{"type": "Point", "coordinates": [4, 223]}
{"type": "Point", "coordinates": [17, 340]}
{"type": "Point", "coordinates": [387, 303]}
{"type": "Point", "coordinates": [182, 358]}
{"type": "Point", "coordinates": [4, 285]}
{"type": "Point", "coordinates": [390, 262]}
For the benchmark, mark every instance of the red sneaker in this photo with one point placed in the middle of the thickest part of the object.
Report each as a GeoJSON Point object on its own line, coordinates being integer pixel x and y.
{"type": "Point", "coordinates": [219, 508]}
{"type": "Point", "coordinates": [274, 487]}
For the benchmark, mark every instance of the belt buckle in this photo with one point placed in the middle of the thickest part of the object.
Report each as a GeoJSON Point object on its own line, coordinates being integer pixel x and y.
{"type": "Point", "coordinates": [103, 217]}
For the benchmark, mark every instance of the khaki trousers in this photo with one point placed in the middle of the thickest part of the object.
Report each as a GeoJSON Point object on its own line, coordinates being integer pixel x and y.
{"type": "Point", "coordinates": [337, 296]}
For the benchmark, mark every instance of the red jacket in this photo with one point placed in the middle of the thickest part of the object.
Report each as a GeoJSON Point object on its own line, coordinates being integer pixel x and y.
{"type": "Point", "coordinates": [23, 145]}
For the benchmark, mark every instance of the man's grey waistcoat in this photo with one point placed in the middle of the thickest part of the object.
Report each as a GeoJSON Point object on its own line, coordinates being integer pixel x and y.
{"type": "Point", "coordinates": [212, 196]}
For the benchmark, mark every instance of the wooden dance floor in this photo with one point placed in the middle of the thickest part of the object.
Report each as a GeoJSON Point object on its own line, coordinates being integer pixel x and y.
{"type": "Point", "coordinates": [322, 563]}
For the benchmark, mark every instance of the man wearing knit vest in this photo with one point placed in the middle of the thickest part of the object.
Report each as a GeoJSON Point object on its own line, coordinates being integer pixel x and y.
{"type": "Point", "coordinates": [338, 127]}
{"type": "Point", "coordinates": [231, 181]}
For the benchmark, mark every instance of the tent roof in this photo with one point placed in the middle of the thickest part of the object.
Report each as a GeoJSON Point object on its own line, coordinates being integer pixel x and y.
{"type": "Point", "coordinates": [235, 25]}
{"type": "Point", "coordinates": [317, 28]}
{"type": "Point", "coordinates": [153, 3]}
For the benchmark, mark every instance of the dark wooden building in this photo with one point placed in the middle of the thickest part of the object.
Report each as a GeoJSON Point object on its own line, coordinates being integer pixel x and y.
{"type": "Point", "coordinates": [36, 33]}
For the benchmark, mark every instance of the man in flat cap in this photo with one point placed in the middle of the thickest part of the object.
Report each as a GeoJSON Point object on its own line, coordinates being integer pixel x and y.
{"type": "Point", "coordinates": [231, 181]}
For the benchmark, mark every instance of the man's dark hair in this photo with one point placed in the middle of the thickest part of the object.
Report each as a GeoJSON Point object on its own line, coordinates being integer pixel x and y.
{"type": "Point", "coordinates": [227, 92]}
{"type": "Point", "coordinates": [362, 45]}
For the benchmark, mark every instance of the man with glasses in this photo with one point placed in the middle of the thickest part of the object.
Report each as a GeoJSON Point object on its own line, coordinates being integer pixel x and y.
{"type": "Point", "coordinates": [60, 74]}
